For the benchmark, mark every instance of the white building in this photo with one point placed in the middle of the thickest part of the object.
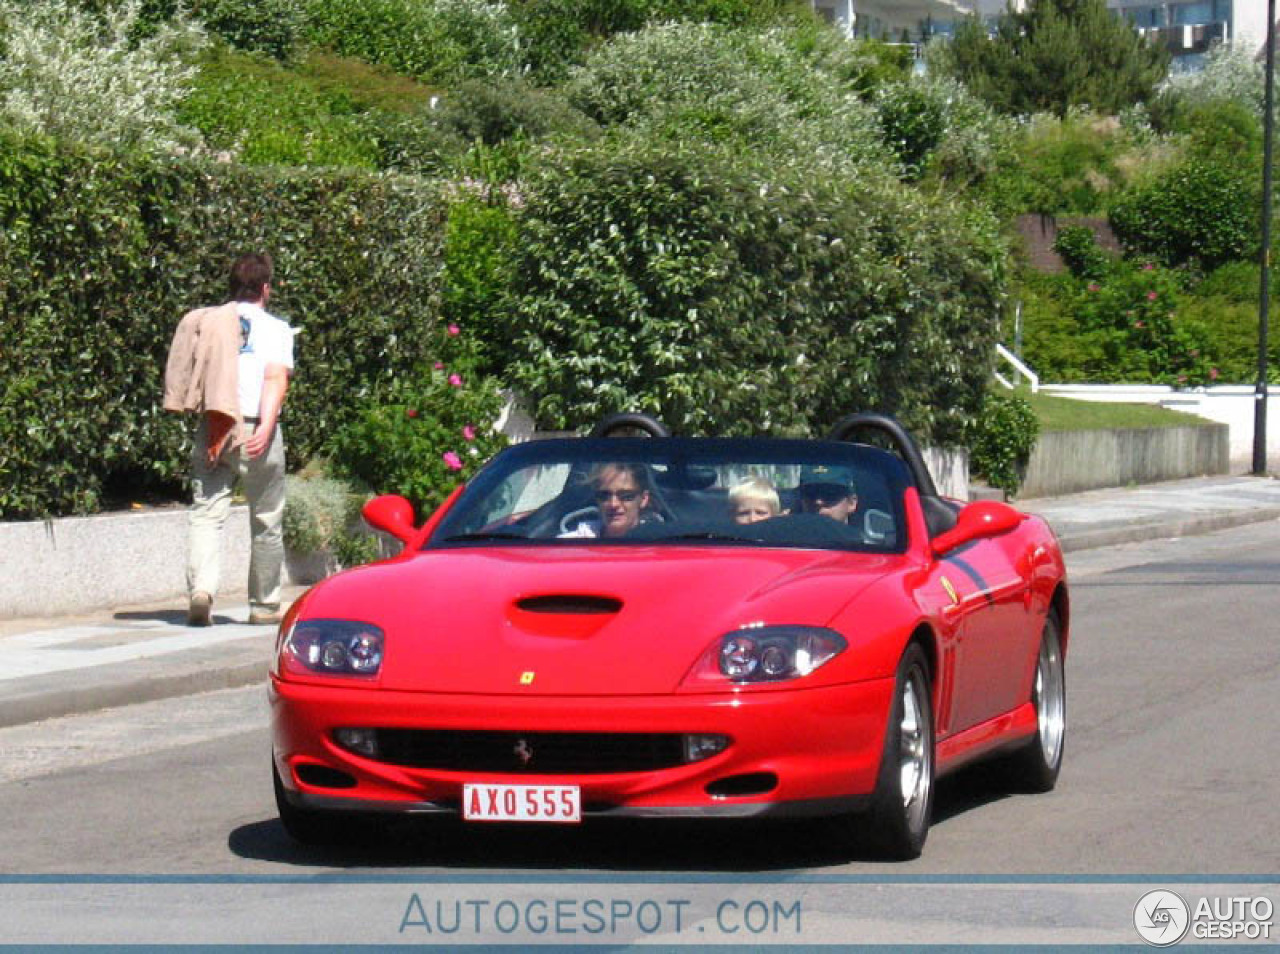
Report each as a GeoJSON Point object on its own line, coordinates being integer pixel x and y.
{"type": "Point", "coordinates": [890, 19]}
{"type": "Point", "coordinates": [1189, 27]}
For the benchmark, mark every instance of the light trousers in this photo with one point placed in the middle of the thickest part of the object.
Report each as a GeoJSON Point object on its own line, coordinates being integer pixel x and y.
{"type": "Point", "coordinates": [211, 486]}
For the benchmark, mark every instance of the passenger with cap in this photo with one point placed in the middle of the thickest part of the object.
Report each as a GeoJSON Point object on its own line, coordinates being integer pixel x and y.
{"type": "Point", "coordinates": [829, 491]}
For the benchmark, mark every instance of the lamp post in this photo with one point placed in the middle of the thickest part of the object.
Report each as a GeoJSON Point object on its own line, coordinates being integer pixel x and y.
{"type": "Point", "coordinates": [1268, 127]}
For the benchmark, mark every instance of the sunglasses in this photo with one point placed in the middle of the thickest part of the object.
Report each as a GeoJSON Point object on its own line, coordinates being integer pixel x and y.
{"type": "Point", "coordinates": [624, 496]}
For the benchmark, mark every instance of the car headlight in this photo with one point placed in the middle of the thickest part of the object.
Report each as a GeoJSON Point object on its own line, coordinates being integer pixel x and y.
{"type": "Point", "coordinates": [767, 654]}
{"type": "Point", "coordinates": [332, 647]}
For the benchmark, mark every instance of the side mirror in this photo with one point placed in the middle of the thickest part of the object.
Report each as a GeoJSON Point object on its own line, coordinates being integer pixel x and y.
{"type": "Point", "coordinates": [392, 514]}
{"type": "Point", "coordinates": [980, 519]}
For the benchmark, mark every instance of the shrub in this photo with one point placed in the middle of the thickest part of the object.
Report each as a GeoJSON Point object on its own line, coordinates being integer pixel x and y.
{"type": "Point", "coordinates": [1001, 440]}
{"type": "Point", "coordinates": [1072, 165]}
{"type": "Point", "coordinates": [771, 93]}
{"type": "Point", "coordinates": [935, 127]}
{"type": "Point", "coordinates": [746, 297]}
{"type": "Point", "coordinates": [274, 27]}
{"type": "Point", "coordinates": [69, 72]}
{"type": "Point", "coordinates": [263, 114]}
{"type": "Point", "coordinates": [317, 511]}
{"type": "Point", "coordinates": [439, 41]}
{"type": "Point", "coordinates": [1127, 326]}
{"type": "Point", "coordinates": [493, 110]}
{"type": "Point", "coordinates": [422, 436]}
{"type": "Point", "coordinates": [358, 262]}
{"type": "Point", "coordinates": [481, 244]}
{"type": "Point", "coordinates": [1078, 248]}
{"type": "Point", "coordinates": [1198, 212]}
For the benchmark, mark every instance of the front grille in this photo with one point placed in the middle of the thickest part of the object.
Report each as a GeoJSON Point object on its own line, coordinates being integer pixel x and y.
{"type": "Point", "coordinates": [537, 753]}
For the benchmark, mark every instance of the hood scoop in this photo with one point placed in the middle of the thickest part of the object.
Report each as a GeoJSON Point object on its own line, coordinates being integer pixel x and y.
{"type": "Point", "coordinates": [570, 605]}
{"type": "Point", "coordinates": [571, 615]}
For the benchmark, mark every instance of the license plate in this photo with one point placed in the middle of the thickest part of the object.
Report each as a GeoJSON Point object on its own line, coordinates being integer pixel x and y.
{"type": "Point", "coordinates": [521, 803]}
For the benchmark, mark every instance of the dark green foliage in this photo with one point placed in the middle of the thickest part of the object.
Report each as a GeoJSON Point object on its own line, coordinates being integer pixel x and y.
{"type": "Point", "coordinates": [1127, 326]}
{"type": "Point", "coordinates": [557, 34]}
{"type": "Point", "coordinates": [274, 27]}
{"type": "Point", "coordinates": [1079, 251]}
{"type": "Point", "coordinates": [1198, 212]}
{"type": "Point", "coordinates": [437, 42]}
{"type": "Point", "coordinates": [1001, 440]}
{"type": "Point", "coordinates": [913, 124]}
{"type": "Point", "coordinates": [422, 436]}
{"type": "Point", "coordinates": [481, 244]}
{"type": "Point", "coordinates": [730, 298]}
{"type": "Point", "coordinates": [264, 114]}
{"type": "Point", "coordinates": [1055, 55]}
{"type": "Point", "coordinates": [102, 257]}
{"type": "Point", "coordinates": [492, 111]}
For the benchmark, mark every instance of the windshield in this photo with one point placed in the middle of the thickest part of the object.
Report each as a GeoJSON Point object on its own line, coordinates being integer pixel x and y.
{"type": "Point", "coordinates": [678, 491]}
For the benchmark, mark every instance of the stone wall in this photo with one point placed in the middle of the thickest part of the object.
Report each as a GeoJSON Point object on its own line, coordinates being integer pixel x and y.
{"type": "Point", "coordinates": [1065, 462]}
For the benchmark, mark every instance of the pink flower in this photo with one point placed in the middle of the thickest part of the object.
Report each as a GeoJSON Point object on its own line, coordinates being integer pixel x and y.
{"type": "Point", "coordinates": [410, 412]}
{"type": "Point", "coordinates": [1213, 374]}
{"type": "Point", "coordinates": [454, 329]}
{"type": "Point", "coordinates": [1094, 286]}
{"type": "Point", "coordinates": [455, 380]}
{"type": "Point", "coordinates": [469, 432]}
{"type": "Point", "coordinates": [452, 460]}
{"type": "Point", "coordinates": [1148, 267]}
{"type": "Point", "coordinates": [1152, 296]}
{"type": "Point", "coordinates": [1139, 324]}
{"type": "Point", "coordinates": [439, 365]}
{"type": "Point", "coordinates": [1182, 379]}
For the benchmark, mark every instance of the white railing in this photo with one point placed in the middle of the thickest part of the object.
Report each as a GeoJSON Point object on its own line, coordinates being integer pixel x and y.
{"type": "Point", "coordinates": [1021, 369]}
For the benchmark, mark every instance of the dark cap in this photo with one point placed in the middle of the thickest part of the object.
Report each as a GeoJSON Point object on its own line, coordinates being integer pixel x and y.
{"type": "Point", "coordinates": [826, 475]}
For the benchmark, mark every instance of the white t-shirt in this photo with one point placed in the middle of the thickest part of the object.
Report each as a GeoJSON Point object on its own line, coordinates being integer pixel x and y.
{"type": "Point", "coordinates": [264, 340]}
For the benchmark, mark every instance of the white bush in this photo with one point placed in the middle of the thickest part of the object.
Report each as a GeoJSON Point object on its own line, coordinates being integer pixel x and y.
{"type": "Point", "coordinates": [70, 73]}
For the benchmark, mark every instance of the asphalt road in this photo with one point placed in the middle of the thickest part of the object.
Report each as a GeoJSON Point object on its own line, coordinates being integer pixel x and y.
{"type": "Point", "coordinates": [1172, 765]}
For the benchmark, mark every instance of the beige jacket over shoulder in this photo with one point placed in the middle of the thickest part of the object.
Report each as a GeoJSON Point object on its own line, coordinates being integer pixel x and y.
{"type": "Point", "coordinates": [202, 371]}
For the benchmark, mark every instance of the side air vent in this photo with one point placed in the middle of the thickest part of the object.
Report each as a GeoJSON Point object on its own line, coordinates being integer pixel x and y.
{"type": "Point", "coordinates": [571, 605]}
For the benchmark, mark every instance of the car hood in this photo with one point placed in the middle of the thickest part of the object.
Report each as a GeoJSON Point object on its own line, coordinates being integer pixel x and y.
{"type": "Point", "coordinates": [580, 620]}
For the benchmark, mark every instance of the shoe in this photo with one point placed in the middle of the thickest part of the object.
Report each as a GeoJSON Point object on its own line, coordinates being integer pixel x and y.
{"type": "Point", "coordinates": [199, 610]}
{"type": "Point", "coordinates": [265, 618]}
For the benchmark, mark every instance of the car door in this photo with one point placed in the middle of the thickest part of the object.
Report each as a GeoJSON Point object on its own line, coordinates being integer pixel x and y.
{"type": "Point", "coordinates": [989, 593]}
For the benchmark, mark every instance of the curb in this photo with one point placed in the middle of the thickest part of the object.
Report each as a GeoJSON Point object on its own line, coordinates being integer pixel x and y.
{"type": "Point", "coordinates": [1191, 526]}
{"type": "Point", "coordinates": [122, 684]}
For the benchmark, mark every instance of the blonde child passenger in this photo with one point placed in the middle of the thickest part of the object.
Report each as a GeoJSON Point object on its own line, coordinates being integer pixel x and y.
{"type": "Point", "coordinates": [753, 500]}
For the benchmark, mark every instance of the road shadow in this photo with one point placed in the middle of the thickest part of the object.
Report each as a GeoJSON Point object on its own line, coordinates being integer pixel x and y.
{"type": "Point", "coordinates": [173, 617]}
{"type": "Point", "coordinates": [600, 845]}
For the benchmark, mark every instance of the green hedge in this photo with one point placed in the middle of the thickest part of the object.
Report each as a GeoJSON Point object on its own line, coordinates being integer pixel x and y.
{"type": "Point", "coordinates": [102, 255]}
{"type": "Point", "coordinates": [727, 297]}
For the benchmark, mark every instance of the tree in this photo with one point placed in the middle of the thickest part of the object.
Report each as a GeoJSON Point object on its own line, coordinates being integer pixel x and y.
{"type": "Point", "coordinates": [1055, 55]}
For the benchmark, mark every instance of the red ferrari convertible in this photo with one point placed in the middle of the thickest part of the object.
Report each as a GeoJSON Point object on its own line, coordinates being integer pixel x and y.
{"type": "Point", "coordinates": [678, 627]}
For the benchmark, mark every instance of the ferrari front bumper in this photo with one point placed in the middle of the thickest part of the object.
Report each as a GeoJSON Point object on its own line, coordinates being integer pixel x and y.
{"type": "Point", "coordinates": [796, 752]}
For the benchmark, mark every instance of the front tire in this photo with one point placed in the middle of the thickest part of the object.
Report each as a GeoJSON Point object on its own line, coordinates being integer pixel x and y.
{"type": "Point", "coordinates": [902, 804]}
{"type": "Point", "coordinates": [1035, 767]}
{"type": "Point", "coordinates": [310, 826]}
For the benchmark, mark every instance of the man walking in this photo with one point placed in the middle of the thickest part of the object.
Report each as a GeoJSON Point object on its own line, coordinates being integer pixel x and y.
{"type": "Point", "coordinates": [256, 454]}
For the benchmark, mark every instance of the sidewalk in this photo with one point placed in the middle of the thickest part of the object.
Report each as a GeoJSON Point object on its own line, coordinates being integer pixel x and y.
{"type": "Point", "coordinates": [117, 656]}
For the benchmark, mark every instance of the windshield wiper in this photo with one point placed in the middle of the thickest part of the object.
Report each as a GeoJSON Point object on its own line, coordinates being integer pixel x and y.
{"type": "Point", "coordinates": [485, 535]}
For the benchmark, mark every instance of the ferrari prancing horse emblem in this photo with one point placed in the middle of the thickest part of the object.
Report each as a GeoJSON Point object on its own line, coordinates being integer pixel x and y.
{"type": "Point", "coordinates": [526, 678]}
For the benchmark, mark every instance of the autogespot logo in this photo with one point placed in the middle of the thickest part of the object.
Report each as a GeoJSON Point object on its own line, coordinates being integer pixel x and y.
{"type": "Point", "coordinates": [1161, 917]}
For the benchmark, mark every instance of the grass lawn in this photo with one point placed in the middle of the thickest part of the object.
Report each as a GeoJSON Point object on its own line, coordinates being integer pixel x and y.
{"type": "Point", "coordinates": [1067, 414]}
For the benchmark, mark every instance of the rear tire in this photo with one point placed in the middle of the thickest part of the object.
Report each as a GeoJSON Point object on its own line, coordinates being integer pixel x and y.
{"type": "Point", "coordinates": [902, 804]}
{"type": "Point", "coordinates": [1035, 767]}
